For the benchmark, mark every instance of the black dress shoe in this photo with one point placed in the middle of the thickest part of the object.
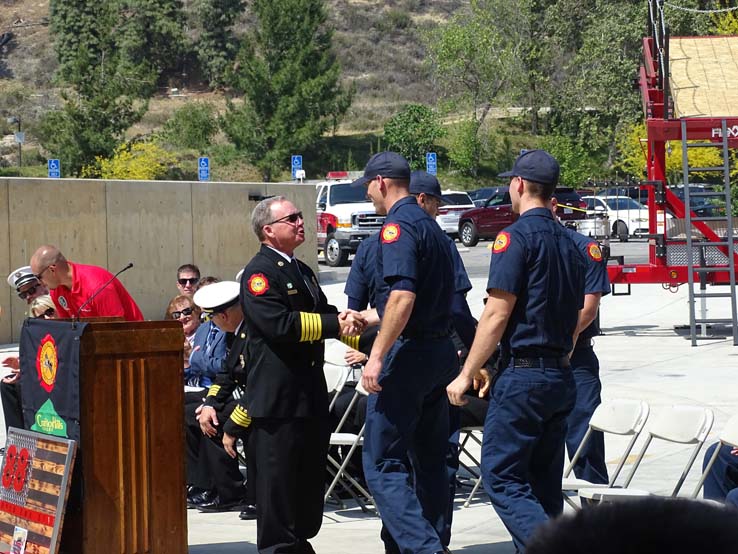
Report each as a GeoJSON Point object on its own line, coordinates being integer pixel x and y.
{"type": "Point", "coordinates": [196, 500]}
{"type": "Point", "coordinates": [249, 512]}
{"type": "Point", "coordinates": [215, 506]}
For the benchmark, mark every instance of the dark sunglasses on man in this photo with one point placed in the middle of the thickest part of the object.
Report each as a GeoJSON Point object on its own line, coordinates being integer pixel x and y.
{"type": "Point", "coordinates": [189, 280]}
{"type": "Point", "coordinates": [292, 218]}
{"type": "Point", "coordinates": [28, 292]}
{"type": "Point", "coordinates": [178, 314]}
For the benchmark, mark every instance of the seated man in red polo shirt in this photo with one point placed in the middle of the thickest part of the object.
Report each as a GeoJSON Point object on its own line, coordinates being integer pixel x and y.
{"type": "Point", "coordinates": [73, 284]}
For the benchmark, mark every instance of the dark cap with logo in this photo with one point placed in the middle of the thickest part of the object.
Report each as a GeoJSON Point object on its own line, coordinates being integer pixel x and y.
{"type": "Point", "coordinates": [389, 165]}
{"type": "Point", "coordinates": [535, 165]}
{"type": "Point", "coordinates": [422, 181]}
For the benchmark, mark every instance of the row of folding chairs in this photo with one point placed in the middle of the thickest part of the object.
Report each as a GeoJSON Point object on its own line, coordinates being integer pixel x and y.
{"type": "Point", "coordinates": [628, 418]}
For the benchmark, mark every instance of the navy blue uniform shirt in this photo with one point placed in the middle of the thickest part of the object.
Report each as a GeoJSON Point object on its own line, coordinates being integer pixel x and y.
{"type": "Point", "coordinates": [362, 286]}
{"type": "Point", "coordinates": [537, 260]}
{"type": "Point", "coordinates": [595, 279]}
{"type": "Point", "coordinates": [414, 255]}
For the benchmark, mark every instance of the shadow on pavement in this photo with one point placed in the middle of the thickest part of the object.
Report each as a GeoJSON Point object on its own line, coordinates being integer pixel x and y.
{"type": "Point", "coordinates": [241, 547]}
{"type": "Point", "coordinates": [495, 548]}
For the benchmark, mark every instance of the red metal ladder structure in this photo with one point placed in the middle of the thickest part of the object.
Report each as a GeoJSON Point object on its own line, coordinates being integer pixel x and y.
{"type": "Point", "coordinates": [671, 258]}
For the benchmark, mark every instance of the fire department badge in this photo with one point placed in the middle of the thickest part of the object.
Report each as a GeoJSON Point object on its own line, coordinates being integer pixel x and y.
{"type": "Point", "coordinates": [593, 249]}
{"type": "Point", "coordinates": [258, 284]}
{"type": "Point", "coordinates": [390, 233]}
{"type": "Point", "coordinates": [47, 362]}
{"type": "Point", "coordinates": [501, 242]}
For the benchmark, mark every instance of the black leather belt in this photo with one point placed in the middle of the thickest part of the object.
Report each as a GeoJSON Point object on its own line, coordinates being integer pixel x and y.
{"type": "Point", "coordinates": [540, 363]}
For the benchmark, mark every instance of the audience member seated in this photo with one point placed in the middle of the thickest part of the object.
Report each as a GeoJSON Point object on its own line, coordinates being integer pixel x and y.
{"type": "Point", "coordinates": [188, 278]}
{"type": "Point", "coordinates": [721, 483]}
{"type": "Point", "coordinates": [649, 526]}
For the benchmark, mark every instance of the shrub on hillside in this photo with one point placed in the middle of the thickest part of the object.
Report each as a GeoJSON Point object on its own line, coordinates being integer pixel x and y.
{"type": "Point", "coordinates": [192, 126]}
{"type": "Point", "coordinates": [146, 161]}
{"type": "Point", "coordinates": [413, 132]}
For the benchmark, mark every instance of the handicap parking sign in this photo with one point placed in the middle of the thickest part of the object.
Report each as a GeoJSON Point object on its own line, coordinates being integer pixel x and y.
{"type": "Point", "coordinates": [430, 163]}
{"type": "Point", "coordinates": [54, 169]}
{"type": "Point", "coordinates": [296, 165]}
{"type": "Point", "coordinates": [203, 169]}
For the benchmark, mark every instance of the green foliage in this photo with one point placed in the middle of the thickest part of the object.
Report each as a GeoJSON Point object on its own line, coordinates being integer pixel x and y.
{"type": "Point", "coordinates": [145, 161]}
{"type": "Point", "coordinates": [192, 126]}
{"type": "Point", "coordinates": [577, 165]}
{"type": "Point", "coordinates": [289, 79]}
{"type": "Point", "coordinates": [395, 19]}
{"type": "Point", "coordinates": [725, 23]}
{"type": "Point", "coordinates": [217, 46]}
{"type": "Point", "coordinates": [465, 148]}
{"type": "Point", "coordinates": [413, 132]}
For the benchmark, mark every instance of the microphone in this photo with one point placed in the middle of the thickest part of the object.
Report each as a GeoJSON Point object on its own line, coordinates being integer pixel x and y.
{"type": "Point", "coordinates": [99, 290]}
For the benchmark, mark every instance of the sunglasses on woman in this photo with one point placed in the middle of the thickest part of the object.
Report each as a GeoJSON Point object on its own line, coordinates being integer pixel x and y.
{"type": "Point", "coordinates": [49, 312]}
{"type": "Point", "coordinates": [180, 313]}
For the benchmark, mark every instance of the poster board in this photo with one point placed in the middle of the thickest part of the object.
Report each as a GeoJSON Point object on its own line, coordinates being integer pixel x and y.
{"type": "Point", "coordinates": [35, 477]}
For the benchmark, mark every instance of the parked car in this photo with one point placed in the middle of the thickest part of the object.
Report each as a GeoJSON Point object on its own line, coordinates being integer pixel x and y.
{"type": "Point", "coordinates": [627, 217]}
{"type": "Point", "coordinates": [344, 218]}
{"type": "Point", "coordinates": [480, 196]}
{"type": "Point", "coordinates": [496, 214]}
{"type": "Point", "coordinates": [702, 206]}
{"type": "Point", "coordinates": [453, 204]}
{"type": "Point", "coordinates": [634, 192]}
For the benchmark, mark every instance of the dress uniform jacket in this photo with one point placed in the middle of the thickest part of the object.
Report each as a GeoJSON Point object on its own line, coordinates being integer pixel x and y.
{"type": "Point", "coordinates": [287, 316]}
{"type": "Point", "coordinates": [231, 376]}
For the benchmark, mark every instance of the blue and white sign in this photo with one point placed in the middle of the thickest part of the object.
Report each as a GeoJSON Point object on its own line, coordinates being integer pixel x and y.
{"type": "Point", "coordinates": [296, 164]}
{"type": "Point", "coordinates": [430, 163]}
{"type": "Point", "coordinates": [54, 169]}
{"type": "Point", "coordinates": [203, 169]}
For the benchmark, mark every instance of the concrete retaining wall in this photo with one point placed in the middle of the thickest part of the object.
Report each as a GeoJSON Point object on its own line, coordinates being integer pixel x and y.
{"type": "Point", "coordinates": [157, 225]}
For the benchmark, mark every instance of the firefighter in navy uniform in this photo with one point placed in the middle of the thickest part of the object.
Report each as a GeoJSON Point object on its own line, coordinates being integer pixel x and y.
{"type": "Point", "coordinates": [585, 366]}
{"type": "Point", "coordinates": [287, 318]}
{"type": "Point", "coordinates": [221, 302]}
{"type": "Point", "coordinates": [535, 291]}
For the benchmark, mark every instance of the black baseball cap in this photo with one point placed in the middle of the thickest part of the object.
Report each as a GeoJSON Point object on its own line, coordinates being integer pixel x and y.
{"type": "Point", "coordinates": [387, 164]}
{"type": "Point", "coordinates": [535, 165]}
{"type": "Point", "coordinates": [422, 181]}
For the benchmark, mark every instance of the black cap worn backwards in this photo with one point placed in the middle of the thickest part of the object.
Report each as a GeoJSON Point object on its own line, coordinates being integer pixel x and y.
{"type": "Point", "coordinates": [389, 165]}
{"type": "Point", "coordinates": [535, 165]}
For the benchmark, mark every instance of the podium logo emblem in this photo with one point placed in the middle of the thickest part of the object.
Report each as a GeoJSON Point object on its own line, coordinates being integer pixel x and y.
{"type": "Point", "coordinates": [47, 362]}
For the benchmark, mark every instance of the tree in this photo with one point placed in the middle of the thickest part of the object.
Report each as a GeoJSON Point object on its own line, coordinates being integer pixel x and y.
{"type": "Point", "coordinates": [289, 78]}
{"type": "Point", "coordinates": [217, 46]}
{"type": "Point", "coordinates": [412, 133]}
{"type": "Point", "coordinates": [192, 126]}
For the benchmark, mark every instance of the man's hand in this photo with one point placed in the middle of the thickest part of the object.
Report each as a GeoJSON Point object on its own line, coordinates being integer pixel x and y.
{"type": "Point", "coordinates": [482, 382]}
{"type": "Point", "coordinates": [208, 420]}
{"type": "Point", "coordinates": [13, 362]}
{"type": "Point", "coordinates": [370, 376]}
{"type": "Point", "coordinates": [352, 357]}
{"type": "Point", "coordinates": [351, 322]}
{"type": "Point", "coordinates": [229, 444]}
{"type": "Point", "coordinates": [458, 387]}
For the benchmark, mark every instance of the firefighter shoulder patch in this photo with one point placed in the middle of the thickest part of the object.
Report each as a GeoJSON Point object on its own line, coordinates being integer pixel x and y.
{"type": "Point", "coordinates": [594, 252]}
{"type": "Point", "coordinates": [390, 233]}
{"type": "Point", "coordinates": [501, 242]}
{"type": "Point", "coordinates": [258, 284]}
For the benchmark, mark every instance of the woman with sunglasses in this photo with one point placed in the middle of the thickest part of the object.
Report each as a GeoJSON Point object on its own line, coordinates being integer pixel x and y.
{"type": "Point", "coordinates": [43, 308]}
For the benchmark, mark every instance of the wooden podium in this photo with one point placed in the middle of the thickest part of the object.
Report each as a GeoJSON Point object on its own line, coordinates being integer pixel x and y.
{"type": "Point", "coordinates": [132, 441]}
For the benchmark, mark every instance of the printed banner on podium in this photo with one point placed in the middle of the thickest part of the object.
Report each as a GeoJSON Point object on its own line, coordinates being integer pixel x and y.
{"type": "Point", "coordinates": [49, 360]}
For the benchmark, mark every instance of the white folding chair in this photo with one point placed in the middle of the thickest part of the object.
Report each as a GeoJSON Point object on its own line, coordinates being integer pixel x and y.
{"type": "Point", "coordinates": [338, 469]}
{"type": "Point", "coordinates": [335, 379]}
{"type": "Point", "coordinates": [471, 434]}
{"type": "Point", "coordinates": [620, 416]}
{"type": "Point", "coordinates": [678, 424]}
{"type": "Point", "coordinates": [728, 436]}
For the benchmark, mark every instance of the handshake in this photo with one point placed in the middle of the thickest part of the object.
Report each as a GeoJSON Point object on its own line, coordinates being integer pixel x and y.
{"type": "Point", "coordinates": [351, 323]}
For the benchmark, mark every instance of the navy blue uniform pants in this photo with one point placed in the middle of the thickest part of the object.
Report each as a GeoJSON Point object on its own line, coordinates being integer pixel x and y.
{"type": "Point", "coordinates": [591, 464]}
{"type": "Point", "coordinates": [523, 447]}
{"type": "Point", "coordinates": [723, 476]}
{"type": "Point", "coordinates": [406, 444]}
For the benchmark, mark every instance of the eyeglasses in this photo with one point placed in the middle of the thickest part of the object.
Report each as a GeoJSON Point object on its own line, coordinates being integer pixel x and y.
{"type": "Point", "coordinates": [40, 274]}
{"type": "Point", "coordinates": [49, 312]}
{"type": "Point", "coordinates": [189, 280]}
{"type": "Point", "coordinates": [178, 314]}
{"type": "Point", "coordinates": [292, 218]}
{"type": "Point", "coordinates": [28, 292]}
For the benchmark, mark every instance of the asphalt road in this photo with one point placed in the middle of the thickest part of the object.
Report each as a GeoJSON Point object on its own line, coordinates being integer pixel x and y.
{"type": "Point", "coordinates": [476, 259]}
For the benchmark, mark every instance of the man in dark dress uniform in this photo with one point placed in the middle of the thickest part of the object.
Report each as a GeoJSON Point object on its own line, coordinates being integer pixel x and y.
{"type": "Point", "coordinates": [287, 318]}
{"type": "Point", "coordinates": [535, 291]}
